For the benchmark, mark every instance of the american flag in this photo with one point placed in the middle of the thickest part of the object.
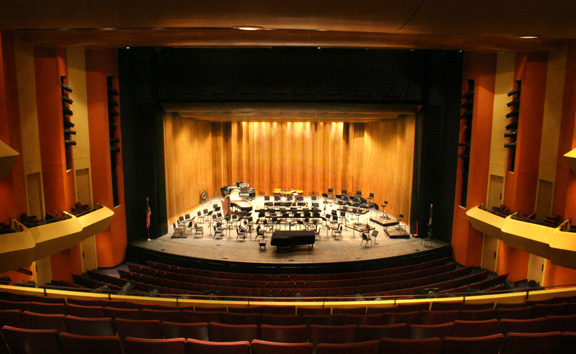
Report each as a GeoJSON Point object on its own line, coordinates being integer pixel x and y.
{"type": "Point", "coordinates": [148, 214]}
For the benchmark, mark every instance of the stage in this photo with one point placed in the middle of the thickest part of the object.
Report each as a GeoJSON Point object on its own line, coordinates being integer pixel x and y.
{"type": "Point", "coordinates": [327, 250]}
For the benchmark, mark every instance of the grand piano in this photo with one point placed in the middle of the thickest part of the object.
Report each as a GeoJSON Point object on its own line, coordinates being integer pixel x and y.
{"type": "Point", "coordinates": [282, 239]}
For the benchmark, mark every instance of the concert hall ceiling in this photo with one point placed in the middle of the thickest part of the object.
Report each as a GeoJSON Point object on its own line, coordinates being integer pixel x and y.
{"type": "Point", "coordinates": [448, 24]}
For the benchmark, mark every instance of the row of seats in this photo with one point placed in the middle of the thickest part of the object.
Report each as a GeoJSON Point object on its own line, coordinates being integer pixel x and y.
{"type": "Point", "coordinates": [443, 282]}
{"type": "Point", "coordinates": [355, 329]}
{"type": "Point", "coordinates": [294, 283]}
{"type": "Point", "coordinates": [426, 317]}
{"type": "Point", "coordinates": [49, 341]}
{"type": "Point", "coordinates": [20, 340]}
{"type": "Point", "coordinates": [279, 277]}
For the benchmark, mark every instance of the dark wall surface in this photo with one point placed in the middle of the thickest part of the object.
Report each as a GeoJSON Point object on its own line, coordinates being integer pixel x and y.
{"type": "Point", "coordinates": [151, 76]}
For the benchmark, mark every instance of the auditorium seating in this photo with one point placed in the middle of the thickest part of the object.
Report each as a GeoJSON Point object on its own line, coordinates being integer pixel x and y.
{"type": "Point", "coordinates": [453, 336]}
{"type": "Point", "coordinates": [409, 280]}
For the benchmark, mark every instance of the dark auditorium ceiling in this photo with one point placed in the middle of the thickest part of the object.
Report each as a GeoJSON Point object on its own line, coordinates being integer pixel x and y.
{"type": "Point", "coordinates": [447, 24]}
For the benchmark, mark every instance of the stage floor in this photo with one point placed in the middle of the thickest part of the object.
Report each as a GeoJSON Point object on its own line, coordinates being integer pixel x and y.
{"type": "Point", "coordinates": [326, 250]}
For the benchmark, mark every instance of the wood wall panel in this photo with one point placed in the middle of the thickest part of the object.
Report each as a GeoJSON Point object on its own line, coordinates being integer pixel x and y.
{"type": "Point", "coordinates": [188, 153]}
{"type": "Point", "coordinates": [372, 157]}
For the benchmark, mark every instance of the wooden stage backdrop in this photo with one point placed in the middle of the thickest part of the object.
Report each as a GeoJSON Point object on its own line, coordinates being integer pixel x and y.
{"type": "Point", "coordinates": [312, 156]}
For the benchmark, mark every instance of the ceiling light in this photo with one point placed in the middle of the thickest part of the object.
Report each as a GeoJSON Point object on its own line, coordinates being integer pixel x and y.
{"type": "Point", "coordinates": [528, 36]}
{"type": "Point", "coordinates": [249, 28]}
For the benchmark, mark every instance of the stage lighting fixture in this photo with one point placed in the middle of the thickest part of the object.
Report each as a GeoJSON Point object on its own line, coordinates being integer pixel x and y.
{"type": "Point", "coordinates": [112, 91]}
{"type": "Point", "coordinates": [114, 149]}
{"type": "Point", "coordinates": [70, 132]}
{"type": "Point", "coordinates": [67, 111]}
{"type": "Point", "coordinates": [113, 112]}
{"type": "Point", "coordinates": [511, 134]}
{"type": "Point", "coordinates": [512, 126]}
{"type": "Point", "coordinates": [510, 146]}
{"type": "Point", "coordinates": [467, 104]}
{"type": "Point", "coordinates": [513, 103]}
{"type": "Point", "coordinates": [114, 141]}
{"type": "Point", "coordinates": [513, 114]}
{"type": "Point", "coordinates": [70, 142]}
{"type": "Point", "coordinates": [464, 144]}
{"type": "Point", "coordinates": [514, 92]}
{"type": "Point", "coordinates": [467, 94]}
{"type": "Point", "coordinates": [466, 115]}
{"type": "Point", "coordinates": [68, 124]}
{"type": "Point", "coordinates": [66, 88]}
{"type": "Point", "coordinates": [67, 100]}
{"type": "Point", "coordinates": [112, 103]}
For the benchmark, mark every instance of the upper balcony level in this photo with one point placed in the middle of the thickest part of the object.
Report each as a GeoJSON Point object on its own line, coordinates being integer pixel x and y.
{"type": "Point", "coordinates": [554, 243]}
{"type": "Point", "coordinates": [19, 249]}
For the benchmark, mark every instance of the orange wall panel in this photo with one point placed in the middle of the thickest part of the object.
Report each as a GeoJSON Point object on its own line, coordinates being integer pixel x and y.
{"type": "Point", "coordinates": [557, 275]}
{"type": "Point", "coordinates": [467, 242]}
{"type": "Point", "coordinates": [58, 183]}
{"type": "Point", "coordinates": [12, 187]}
{"type": "Point", "coordinates": [513, 262]}
{"type": "Point", "coordinates": [520, 194]}
{"type": "Point", "coordinates": [564, 202]}
{"type": "Point", "coordinates": [111, 244]}
{"type": "Point", "coordinates": [61, 265]}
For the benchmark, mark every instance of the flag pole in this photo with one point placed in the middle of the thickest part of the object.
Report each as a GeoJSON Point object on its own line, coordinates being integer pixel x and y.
{"type": "Point", "coordinates": [148, 218]}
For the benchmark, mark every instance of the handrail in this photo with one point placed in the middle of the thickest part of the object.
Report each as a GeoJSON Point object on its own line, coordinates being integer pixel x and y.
{"type": "Point", "coordinates": [298, 300]}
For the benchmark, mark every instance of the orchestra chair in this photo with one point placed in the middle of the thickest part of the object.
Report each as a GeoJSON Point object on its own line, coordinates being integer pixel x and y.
{"type": "Point", "coordinates": [375, 236]}
{"type": "Point", "coordinates": [337, 233]}
{"type": "Point", "coordinates": [370, 332]}
{"type": "Point", "coordinates": [198, 231]}
{"type": "Point", "coordinates": [366, 238]}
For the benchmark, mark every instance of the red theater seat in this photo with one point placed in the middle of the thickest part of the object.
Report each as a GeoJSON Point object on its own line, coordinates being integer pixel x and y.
{"type": "Point", "coordinates": [370, 347]}
{"type": "Point", "coordinates": [410, 346]}
{"type": "Point", "coordinates": [185, 330]}
{"type": "Point", "coordinates": [286, 334]}
{"type": "Point", "coordinates": [220, 332]}
{"type": "Point", "coordinates": [475, 328]}
{"type": "Point", "coordinates": [31, 341]}
{"type": "Point", "coordinates": [154, 346]}
{"type": "Point", "coordinates": [264, 347]}
{"type": "Point", "coordinates": [194, 346]}
{"type": "Point", "coordinates": [367, 332]}
{"type": "Point", "coordinates": [541, 343]}
{"type": "Point", "coordinates": [74, 344]}
{"type": "Point", "coordinates": [473, 345]}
